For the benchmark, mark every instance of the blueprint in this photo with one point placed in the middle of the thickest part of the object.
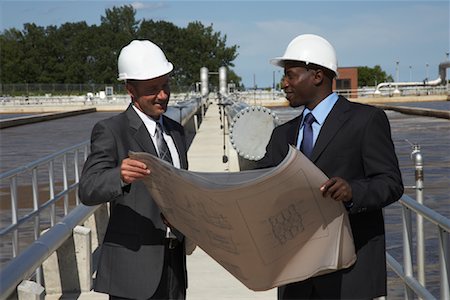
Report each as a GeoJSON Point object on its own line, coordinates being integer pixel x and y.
{"type": "Point", "coordinates": [266, 227]}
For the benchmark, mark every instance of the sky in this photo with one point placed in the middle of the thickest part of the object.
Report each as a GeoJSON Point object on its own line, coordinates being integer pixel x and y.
{"type": "Point", "coordinates": [408, 38]}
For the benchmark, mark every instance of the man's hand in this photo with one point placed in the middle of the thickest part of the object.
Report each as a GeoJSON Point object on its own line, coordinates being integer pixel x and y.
{"type": "Point", "coordinates": [131, 170]}
{"type": "Point", "coordinates": [338, 189]}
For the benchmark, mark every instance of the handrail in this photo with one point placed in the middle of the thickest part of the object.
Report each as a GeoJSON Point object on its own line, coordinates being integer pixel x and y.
{"type": "Point", "coordinates": [28, 173]}
{"type": "Point", "coordinates": [23, 266]}
{"type": "Point", "coordinates": [431, 215]}
{"type": "Point", "coordinates": [406, 272]}
{"type": "Point", "coordinates": [41, 160]}
{"type": "Point", "coordinates": [410, 281]}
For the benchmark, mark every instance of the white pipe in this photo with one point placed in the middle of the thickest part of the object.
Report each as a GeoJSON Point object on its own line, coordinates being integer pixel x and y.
{"type": "Point", "coordinates": [442, 69]}
{"type": "Point", "coordinates": [417, 83]}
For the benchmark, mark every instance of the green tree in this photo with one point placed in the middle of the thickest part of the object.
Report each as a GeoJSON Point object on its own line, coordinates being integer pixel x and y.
{"type": "Point", "coordinates": [372, 76]}
{"type": "Point", "coordinates": [11, 56]}
{"type": "Point", "coordinates": [78, 53]}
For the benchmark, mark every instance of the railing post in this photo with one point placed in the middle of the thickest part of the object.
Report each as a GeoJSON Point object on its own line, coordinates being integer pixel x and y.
{"type": "Point", "coordinates": [417, 158]}
{"type": "Point", "coordinates": [14, 215]}
{"type": "Point", "coordinates": [77, 175]}
{"type": "Point", "coordinates": [407, 249]}
{"type": "Point", "coordinates": [30, 290]}
{"type": "Point", "coordinates": [37, 218]}
{"type": "Point", "coordinates": [51, 183]}
{"type": "Point", "coordinates": [65, 184]}
{"type": "Point", "coordinates": [444, 263]}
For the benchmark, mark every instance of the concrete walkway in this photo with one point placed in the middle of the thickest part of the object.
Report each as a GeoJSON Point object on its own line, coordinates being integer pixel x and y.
{"type": "Point", "coordinates": [207, 279]}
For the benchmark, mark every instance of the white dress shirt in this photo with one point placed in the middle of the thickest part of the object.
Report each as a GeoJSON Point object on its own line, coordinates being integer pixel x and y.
{"type": "Point", "coordinates": [150, 124]}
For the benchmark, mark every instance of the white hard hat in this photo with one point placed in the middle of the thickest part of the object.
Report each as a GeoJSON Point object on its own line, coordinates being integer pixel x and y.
{"type": "Point", "coordinates": [142, 60]}
{"type": "Point", "coordinates": [309, 48]}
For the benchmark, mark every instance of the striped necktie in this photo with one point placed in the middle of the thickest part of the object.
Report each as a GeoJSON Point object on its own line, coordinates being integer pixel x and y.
{"type": "Point", "coordinates": [163, 149]}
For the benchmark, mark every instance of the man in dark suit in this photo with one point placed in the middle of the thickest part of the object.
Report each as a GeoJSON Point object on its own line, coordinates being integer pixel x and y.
{"type": "Point", "coordinates": [351, 143]}
{"type": "Point", "coordinates": [138, 260]}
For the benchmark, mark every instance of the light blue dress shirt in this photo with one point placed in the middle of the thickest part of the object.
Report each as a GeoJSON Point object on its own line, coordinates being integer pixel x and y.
{"type": "Point", "coordinates": [320, 113]}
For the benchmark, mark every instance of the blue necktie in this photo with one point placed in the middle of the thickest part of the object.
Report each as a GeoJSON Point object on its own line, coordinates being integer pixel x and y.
{"type": "Point", "coordinates": [307, 142]}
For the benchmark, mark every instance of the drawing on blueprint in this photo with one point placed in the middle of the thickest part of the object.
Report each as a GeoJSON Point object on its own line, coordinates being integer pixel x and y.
{"type": "Point", "coordinates": [287, 224]}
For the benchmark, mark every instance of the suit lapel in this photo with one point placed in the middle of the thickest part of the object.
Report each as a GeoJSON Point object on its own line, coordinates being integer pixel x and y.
{"type": "Point", "coordinates": [334, 121]}
{"type": "Point", "coordinates": [293, 130]}
{"type": "Point", "coordinates": [140, 132]}
{"type": "Point", "coordinates": [142, 137]}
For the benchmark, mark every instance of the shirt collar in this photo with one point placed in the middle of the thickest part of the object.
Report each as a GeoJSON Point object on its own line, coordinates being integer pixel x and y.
{"type": "Point", "coordinates": [321, 111]}
{"type": "Point", "coordinates": [149, 122]}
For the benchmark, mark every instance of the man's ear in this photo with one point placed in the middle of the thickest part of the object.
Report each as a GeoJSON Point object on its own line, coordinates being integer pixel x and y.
{"type": "Point", "coordinates": [319, 76]}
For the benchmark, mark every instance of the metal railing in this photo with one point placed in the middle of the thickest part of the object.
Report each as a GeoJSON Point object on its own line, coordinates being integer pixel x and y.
{"type": "Point", "coordinates": [413, 285]}
{"type": "Point", "coordinates": [416, 285]}
{"type": "Point", "coordinates": [27, 176]}
{"type": "Point", "coordinates": [69, 161]}
{"type": "Point", "coordinates": [30, 260]}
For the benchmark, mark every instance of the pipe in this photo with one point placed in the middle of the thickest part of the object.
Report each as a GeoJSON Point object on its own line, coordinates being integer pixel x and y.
{"type": "Point", "coordinates": [440, 80]}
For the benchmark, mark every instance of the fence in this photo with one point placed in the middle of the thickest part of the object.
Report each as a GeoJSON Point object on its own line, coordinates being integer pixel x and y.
{"type": "Point", "coordinates": [40, 89]}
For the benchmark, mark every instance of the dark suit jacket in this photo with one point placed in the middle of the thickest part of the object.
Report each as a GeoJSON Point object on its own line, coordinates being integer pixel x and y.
{"type": "Point", "coordinates": [354, 143]}
{"type": "Point", "coordinates": [132, 253]}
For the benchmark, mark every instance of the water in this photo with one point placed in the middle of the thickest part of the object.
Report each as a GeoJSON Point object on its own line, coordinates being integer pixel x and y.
{"type": "Point", "coordinates": [440, 105]}
{"type": "Point", "coordinates": [10, 116]}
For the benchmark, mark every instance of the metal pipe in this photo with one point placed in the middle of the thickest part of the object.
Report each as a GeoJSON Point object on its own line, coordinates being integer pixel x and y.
{"type": "Point", "coordinates": [51, 184]}
{"type": "Point", "coordinates": [407, 249]}
{"type": "Point", "coordinates": [37, 218]}
{"type": "Point", "coordinates": [413, 285]}
{"type": "Point", "coordinates": [444, 263]}
{"type": "Point", "coordinates": [440, 80]}
{"type": "Point", "coordinates": [14, 216]}
{"type": "Point", "coordinates": [183, 111]}
{"type": "Point", "coordinates": [417, 158]}
{"type": "Point", "coordinates": [65, 184]}
{"type": "Point", "coordinates": [28, 261]}
{"type": "Point", "coordinates": [77, 175]}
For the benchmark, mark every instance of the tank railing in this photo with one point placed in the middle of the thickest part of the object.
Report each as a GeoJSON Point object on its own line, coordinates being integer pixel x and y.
{"type": "Point", "coordinates": [412, 285]}
{"type": "Point", "coordinates": [24, 265]}
{"type": "Point", "coordinates": [21, 177]}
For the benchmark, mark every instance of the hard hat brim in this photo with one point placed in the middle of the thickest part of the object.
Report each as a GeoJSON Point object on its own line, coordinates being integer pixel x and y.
{"type": "Point", "coordinates": [166, 70]}
{"type": "Point", "coordinates": [281, 61]}
{"type": "Point", "coordinates": [278, 61]}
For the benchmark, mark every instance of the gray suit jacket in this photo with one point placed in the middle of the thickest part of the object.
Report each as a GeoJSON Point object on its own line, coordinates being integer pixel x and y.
{"type": "Point", "coordinates": [132, 253]}
{"type": "Point", "coordinates": [354, 143]}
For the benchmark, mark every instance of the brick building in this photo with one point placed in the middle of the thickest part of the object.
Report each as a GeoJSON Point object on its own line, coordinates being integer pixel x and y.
{"type": "Point", "coordinates": [347, 80]}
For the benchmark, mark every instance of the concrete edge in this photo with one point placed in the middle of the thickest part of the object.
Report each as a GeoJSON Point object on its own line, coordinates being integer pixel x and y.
{"type": "Point", "coordinates": [43, 117]}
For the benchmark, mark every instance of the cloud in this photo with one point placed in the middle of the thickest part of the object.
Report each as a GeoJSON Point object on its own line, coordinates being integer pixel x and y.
{"type": "Point", "coordinates": [148, 5]}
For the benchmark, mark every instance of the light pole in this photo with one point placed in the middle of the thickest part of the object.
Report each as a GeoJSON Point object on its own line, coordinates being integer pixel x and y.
{"type": "Point", "coordinates": [397, 71]}
{"type": "Point", "coordinates": [273, 78]}
{"type": "Point", "coordinates": [426, 71]}
{"type": "Point", "coordinates": [396, 90]}
{"type": "Point", "coordinates": [410, 73]}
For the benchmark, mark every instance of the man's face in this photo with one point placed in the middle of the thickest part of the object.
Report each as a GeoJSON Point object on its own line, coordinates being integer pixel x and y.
{"type": "Point", "coordinates": [151, 96]}
{"type": "Point", "coordinates": [298, 84]}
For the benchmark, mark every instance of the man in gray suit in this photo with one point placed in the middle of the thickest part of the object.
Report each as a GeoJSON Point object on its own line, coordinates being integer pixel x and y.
{"type": "Point", "coordinates": [141, 256]}
{"type": "Point", "coordinates": [351, 143]}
